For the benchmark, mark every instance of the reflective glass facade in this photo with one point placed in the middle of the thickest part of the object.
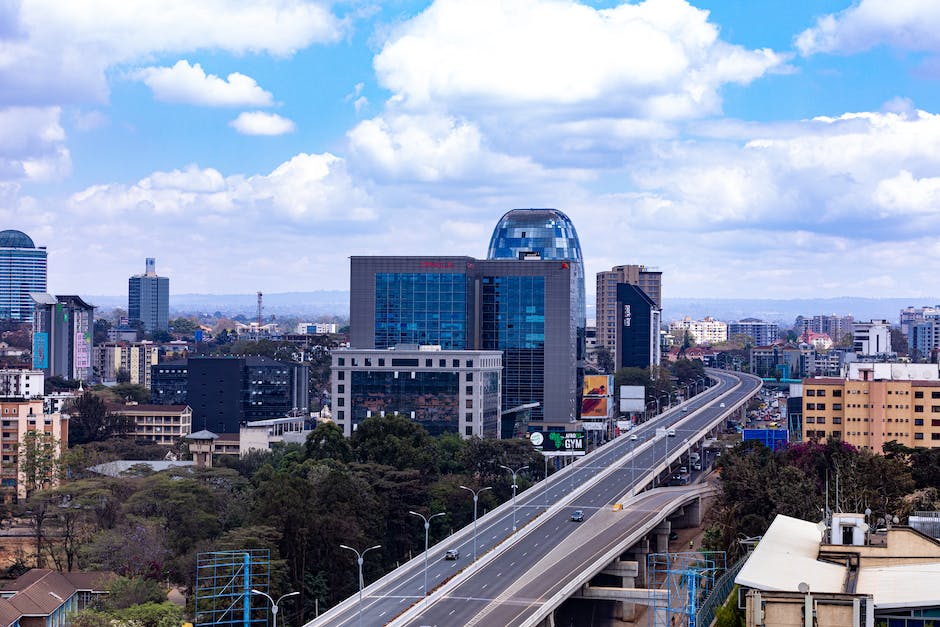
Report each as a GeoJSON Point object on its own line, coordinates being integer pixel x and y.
{"type": "Point", "coordinates": [513, 321]}
{"type": "Point", "coordinates": [22, 270]}
{"type": "Point", "coordinates": [432, 399]}
{"type": "Point", "coordinates": [421, 308]}
{"type": "Point", "coordinates": [547, 233]}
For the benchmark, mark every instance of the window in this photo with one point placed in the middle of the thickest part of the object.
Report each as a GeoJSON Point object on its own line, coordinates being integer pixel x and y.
{"type": "Point", "coordinates": [837, 421]}
{"type": "Point", "coordinates": [935, 395]}
{"type": "Point", "coordinates": [469, 404]}
{"type": "Point", "coordinates": [428, 363]}
{"type": "Point", "coordinates": [820, 392]}
{"type": "Point", "coordinates": [455, 363]}
{"type": "Point", "coordinates": [340, 389]}
{"type": "Point", "coordinates": [341, 414]}
{"type": "Point", "coordinates": [811, 392]}
{"type": "Point", "coordinates": [935, 423]}
{"type": "Point", "coordinates": [935, 436]}
{"type": "Point", "coordinates": [935, 409]}
{"type": "Point", "coordinates": [918, 436]}
{"type": "Point", "coordinates": [468, 430]}
{"type": "Point", "coordinates": [918, 395]}
{"type": "Point", "coordinates": [341, 361]}
{"type": "Point", "coordinates": [837, 406]}
{"type": "Point", "coordinates": [341, 402]}
{"type": "Point", "coordinates": [821, 420]}
{"type": "Point", "coordinates": [340, 376]}
{"type": "Point", "coordinates": [469, 376]}
{"type": "Point", "coordinates": [918, 409]}
{"type": "Point", "coordinates": [382, 362]}
{"type": "Point", "coordinates": [810, 420]}
{"type": "Point", "coordinates": [368, 361]}
{"type": "Point", "coordinates": [820, 406]}
{"type": "Point", "coordinates": [442, 363]}
{"type": "Point", "coordinates": [469, 363]}
{"type": "Point", "coordinates": [470, 390]}
{"type": "Point", "coordinates": [837, 393]}
{"type": "Point", "coordinates": [810, 405]}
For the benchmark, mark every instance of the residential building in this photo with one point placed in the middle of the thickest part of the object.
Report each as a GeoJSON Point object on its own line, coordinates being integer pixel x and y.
{"type": "Point", "coordinates": [819, 341]}
{"type": "Point", "coordinates": [63, 336]}
{"type": "Point", "coordinates": [875, 403]}
{"type": "Point", "coordinates": [225, 392]}
{"type": "Point", "coordinates": [261, 435]}
{"type": "Point", "coordinates": [910, 316]}
{"type": "Point", "coordinates": [160, 424]}
{"type": "Point", "coordinates": [23, 424]}
{"type": "Point", "coordinates": [115, 361]}
{"type": "Point", "coordinates": [148, 299]}
{"type": "Point", "coordinates": [21, 383]}
{"type": "Point", "coordinates": [872, 338]}
{"type": "Point", "coordinates": [638, 342]}
{"type": "Point", "coordinates": [845, 572]}
{"type": "Point", "coordinates": [705, 331]}
{"type": "Point", "coordinates": [42, 597]}
{"type": "Point", "coordinates": [526, 300]}
{"type": "Point", "coordinates": [835, 326]}
{"type": "Point", "coordinates": [763, 333]}
{"type": "Point", "coordinates": [607, 318]}
{"type": "Point", "coordinates": [924, 339]}
{"type": "Point", "coordinates": [22, 272]}
{"type": "Point", "coordinates": [445, 391]}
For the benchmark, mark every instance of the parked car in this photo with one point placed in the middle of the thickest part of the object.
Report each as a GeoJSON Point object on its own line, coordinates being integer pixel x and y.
{"type": "Point", "coordinates": [696, 465]}
{"type": "Point", "coordinates": [671, 433]}
{"type": "Point", "coordinates": [577, 516]}
{"type": "Point", "coordinates": [452, 554]}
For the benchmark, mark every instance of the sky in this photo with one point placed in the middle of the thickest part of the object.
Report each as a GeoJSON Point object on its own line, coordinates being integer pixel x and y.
{"type": "Point", "coordinates": [745, 148]}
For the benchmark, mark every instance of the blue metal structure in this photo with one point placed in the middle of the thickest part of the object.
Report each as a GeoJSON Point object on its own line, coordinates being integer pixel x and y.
{"type": "Point", "coordinates": [224, 581]}
{"type": "Point", "coordinates": [774, 439]}
{"type": "Point", "coordinates": [688, 579]}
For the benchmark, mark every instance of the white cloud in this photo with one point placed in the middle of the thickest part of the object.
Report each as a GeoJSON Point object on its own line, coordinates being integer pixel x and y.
{"type": "Point", "coordinates": [32, 144]}
{"type": "Point", "coordinates": [64, 48]}
{"type": "Point", "coordinates": [261, 123]}
{"type": "Point", "coordinates": [908, 25]}
{"type": "Point", "coordinates": [189, 84]}
{"type": "Point", "coordinates": [657, 59]}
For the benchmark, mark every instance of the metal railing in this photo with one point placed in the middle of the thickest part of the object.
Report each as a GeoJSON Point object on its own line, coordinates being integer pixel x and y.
{"type": "Point", "coordinates": [722, 588]}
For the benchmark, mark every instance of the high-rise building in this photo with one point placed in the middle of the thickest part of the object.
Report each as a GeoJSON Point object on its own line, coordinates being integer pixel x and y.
{"type": "Point", "coordinates": [114, 360]}
{"type": "Point", "coordinates": [22, 271]}
{"type": "Point", "coordinates": [763, 333]}
{"type": "Point", "coordinates": [225, 392]}
{"type": "Point", "coordinates": [607, 318]}
{"type": "Point", "coordinates": [872, 338]}
{"type": "Point", "coordinates": [705, 331]}
{"type": "Point", "coordinates": [148, 299]}
{"type": "Point", "coordinates": [29, 431]}
{"type": "Point", "coordinates": [638, 344]}
{"type": "Point", "coordinates": [836, 327]}
{"type": "Point", "coordinates": [63, 336]}
{"type": "Point", "coordinates": [526, 300]}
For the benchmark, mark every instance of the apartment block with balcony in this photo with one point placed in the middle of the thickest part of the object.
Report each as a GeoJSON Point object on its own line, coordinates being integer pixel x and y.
{"type": "Point", "coordinates": [18, 418]}
{"type": "Point", "coordinates": [874, 404]}
{"type": "Point", "coordinates": [161, 424]}
{"type": "Point", "coordinates": [114, 359]}
{"type": "Point", "coordinates": [705, 331]}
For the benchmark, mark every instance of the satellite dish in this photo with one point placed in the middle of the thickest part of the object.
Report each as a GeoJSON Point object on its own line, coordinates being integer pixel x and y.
{"type": "Point", "coordinates": [821, 525]}
{"type": "Point", "coordinates": [864, 527]}
{"type": "Point", "coordinates": [895, 520]}
{"type": "Point", "coordinates": [803, 587]}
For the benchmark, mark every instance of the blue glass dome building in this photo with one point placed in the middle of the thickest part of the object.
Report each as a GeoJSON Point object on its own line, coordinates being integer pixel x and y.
{"type": "Point", "coordinates": [22, 270]}
{"type": "Point", "coordinates": [535, 234]}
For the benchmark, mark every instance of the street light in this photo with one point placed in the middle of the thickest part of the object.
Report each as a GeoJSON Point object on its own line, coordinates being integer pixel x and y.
{"type": "Point", "coordinates": [359, 557]}
{"type": "Point", "coordinates": [427, 527]}
{"type": "Point", "coordinates": [274, 604]}
{"type": "Point", "coordinates": [514, 472]}
{"type": "Point", "coordinates": [476, 497]}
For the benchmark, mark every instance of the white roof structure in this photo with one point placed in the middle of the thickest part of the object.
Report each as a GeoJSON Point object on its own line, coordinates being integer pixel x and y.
{"type": "Point", "coordinates": [911, 585]}
{"type": "Point", "coordinates": [786, 557]}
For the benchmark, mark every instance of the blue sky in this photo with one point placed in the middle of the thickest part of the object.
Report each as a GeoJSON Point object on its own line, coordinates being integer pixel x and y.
{"type": "Point", "coordinates": [747, 149]}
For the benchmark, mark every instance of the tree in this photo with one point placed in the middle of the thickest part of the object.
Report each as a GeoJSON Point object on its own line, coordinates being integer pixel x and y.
{"type": "Point", "coordinates": [132, 392]}
{"type": "Point", "coordinates": [327, 441]}
{"type": "Point", "coordinates": [183, 326]}
{"type": "Point", "coordinates": [39, 460]}
{"type": "Point", "coordinates": [605, 361]}
{"type": "Point", "coordinates": [91, 421]}
{"type": "Point", "coordinates": [396, 441]}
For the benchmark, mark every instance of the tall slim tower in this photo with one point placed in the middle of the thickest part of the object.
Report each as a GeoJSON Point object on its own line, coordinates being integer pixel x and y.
{"type": "Point", "coordinates": [148, 299]}
{"type": "Point", "coordinates": [22, 271]}
{"type": "Point", "coordinates": [647, 279]}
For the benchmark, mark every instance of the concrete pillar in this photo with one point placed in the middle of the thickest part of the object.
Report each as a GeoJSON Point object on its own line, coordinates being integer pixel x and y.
{"type": "Point", "coordinates": [638, 552]}
{"type": "Point", "coordinates": [661, 537]}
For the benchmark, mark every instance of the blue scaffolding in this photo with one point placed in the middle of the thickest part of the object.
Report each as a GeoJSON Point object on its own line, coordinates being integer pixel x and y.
{"type": "Point", "coordinates": [678, 583]}
{"type": "Point", "coordinates": [224, 581]}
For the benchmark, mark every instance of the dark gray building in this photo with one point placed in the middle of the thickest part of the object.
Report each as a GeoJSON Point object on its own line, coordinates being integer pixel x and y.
{"type": "Point", "coordinates": [148, 299]}
{"type": "Point", "coordinates": [63, 336]}
{"type": "Point", "coordinates": [527, 302]}
{"type": "Point", "coordinates": [225, 392]}
{"type": "Point", "coordinates": [638, 322]}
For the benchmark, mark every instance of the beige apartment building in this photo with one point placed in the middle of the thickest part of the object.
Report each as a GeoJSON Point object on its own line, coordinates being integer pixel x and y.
{"type": "Point", "coordinates": [647, 279]}
{"type": "Point", "coordinates": [704, 331]}
{"type": "Point", "coordinates": [134, 359]}
{"type": "Point", "coordinates": [19, 417]}
{"type": "Point", "coordinates": [161, 424]}
{"type": "Point", "coordinates": [874, 404]}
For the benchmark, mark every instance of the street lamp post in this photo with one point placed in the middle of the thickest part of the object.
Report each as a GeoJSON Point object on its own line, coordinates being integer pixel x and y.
{"type": "Point", "coordinates": [274, 604]}
{"type": "Point", "coordinates": [514, 486]}
{"type": "Point", "coordinates": [476, 497]}
{"type": "Point", "coordinates": [545, 479]}
{"type": "Point", "coordinates": [427, 528]}
{"type": "Point", "coordinates": [359, 558]}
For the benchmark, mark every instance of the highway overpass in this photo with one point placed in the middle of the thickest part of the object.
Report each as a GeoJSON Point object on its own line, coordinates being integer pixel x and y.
{"type": "Point", "coordinates": [615, 471]}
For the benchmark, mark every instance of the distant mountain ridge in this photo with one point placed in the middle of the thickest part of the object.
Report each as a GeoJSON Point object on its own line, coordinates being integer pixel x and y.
{"type": "Point", "coordinates": [336, 302]}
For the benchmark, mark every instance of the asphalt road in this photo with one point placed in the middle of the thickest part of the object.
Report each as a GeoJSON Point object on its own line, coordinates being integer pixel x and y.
{"type": "Point", "coordinates": [401, 589]}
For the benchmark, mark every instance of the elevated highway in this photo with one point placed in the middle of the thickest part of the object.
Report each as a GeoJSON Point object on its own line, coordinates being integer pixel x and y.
{"type": "Point", "coordinates": [615, 471]}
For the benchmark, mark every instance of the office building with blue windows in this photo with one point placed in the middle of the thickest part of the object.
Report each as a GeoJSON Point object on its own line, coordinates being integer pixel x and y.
{"type": "Point", "coordinates": [22, 271]}
{"type": "Point", "coordinates": [148, 299]}
{"type": "Point", "coordinates": [526, 301]}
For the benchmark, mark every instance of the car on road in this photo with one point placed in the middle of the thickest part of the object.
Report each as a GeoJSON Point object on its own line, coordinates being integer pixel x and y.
{"type": "Point", "coordinates": [577, 516]}
{"type": "Point", "coordinates": [452, 554]}
{"type": "Point", "coordinates": [673, 535]}
{"type": "Point", "coordinates": [683, 470]}
{"type": "Point", "coordinates": [685, 409]}
{"type": "Point", "coordinates": [722, 405]}
{"type": "Point", "coordinates": [633, 438]}
{"type": "Point", "coordinates": [671, 433]}
{"type": "Point", "coordinates": [696, 465]}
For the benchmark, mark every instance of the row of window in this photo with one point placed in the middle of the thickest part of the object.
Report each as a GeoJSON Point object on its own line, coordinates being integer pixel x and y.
{"type": "Point", "coordinates": [428, 363]}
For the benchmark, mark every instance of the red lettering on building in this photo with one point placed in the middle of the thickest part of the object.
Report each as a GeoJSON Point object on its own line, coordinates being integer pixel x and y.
{"type": "Point", "coordinates": [436, 264]}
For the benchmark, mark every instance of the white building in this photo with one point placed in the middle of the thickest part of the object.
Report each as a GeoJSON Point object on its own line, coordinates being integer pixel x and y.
{"type": "Point", "coordinates": [872, 338]}
{"type": "Point", "coordinates": [259, 435]}
{"type": "Point", "coordinates": [317, 328]}
{"type": "Point", "coordinates": [705, 331]}
{"type": "Point", "coordinates": [21, 383]}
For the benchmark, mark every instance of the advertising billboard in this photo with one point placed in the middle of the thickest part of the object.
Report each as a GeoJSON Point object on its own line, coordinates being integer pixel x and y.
{"type": "Point", "coordinates": [556, 443]}
{"type": "Point", "coordinates": [632, 398]}
{"type": "Point", "coordinates": [773, 439]}
{"type": "Point", "coordinates": [40, 351]}
{"type": "Point", "coordinates": [82, 350]}
{"type": "Point", "coordinates": [595, 408]}
{"type": "Point", "coordinates": [598, 385]}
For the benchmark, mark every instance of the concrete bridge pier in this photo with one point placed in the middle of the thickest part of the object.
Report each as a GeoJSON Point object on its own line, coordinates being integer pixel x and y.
{"type": "Point", "coordinates": [690, 516]}
{"type": "Point", "coordinates": [637, 554]}
{"type": "Point", "coordinates": [661, 537]}
{"type": "Point", "coordinates": [626, 571]}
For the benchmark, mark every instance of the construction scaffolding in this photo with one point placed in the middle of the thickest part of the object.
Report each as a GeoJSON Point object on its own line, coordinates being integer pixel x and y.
{"type": "Point", "coordinates": [687, 579]}
{"type": "Point", "coordinates": [224, 584]}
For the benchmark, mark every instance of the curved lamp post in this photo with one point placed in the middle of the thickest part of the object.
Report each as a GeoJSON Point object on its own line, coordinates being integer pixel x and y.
{"type": "Point", "coordinates": [514, 486]}
{"type": "Point", "coordinates": [359, 557]}
{"type": "Point", "coordinates": [476, 497]}
{"type": "Point", "coordinates": [427, 527]}
{"type": "Point", "coordinates": [274, 604]}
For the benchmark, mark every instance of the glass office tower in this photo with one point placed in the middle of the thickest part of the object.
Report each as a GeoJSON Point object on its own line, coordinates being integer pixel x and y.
{"type": "Point", "coordinates": [22, 270]}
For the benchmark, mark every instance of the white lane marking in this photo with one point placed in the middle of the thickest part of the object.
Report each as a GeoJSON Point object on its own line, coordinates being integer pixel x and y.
{"type": "Point", "coordinates": [451, 612]}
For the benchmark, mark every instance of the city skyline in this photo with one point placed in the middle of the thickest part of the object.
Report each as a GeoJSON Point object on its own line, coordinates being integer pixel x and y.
{"type": "Point", "coordinates": [767, 148]}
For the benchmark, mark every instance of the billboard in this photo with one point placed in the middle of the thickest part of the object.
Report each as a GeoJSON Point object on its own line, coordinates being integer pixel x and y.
{"type": "Point", "coordinates": [773, 439]}
{"type": "Point", "coordinates": [82, 350]}
{"type": "Point", "coordinates": [632, 398]}
{"type": "Point", "coordinates": [595, 408]}
{"type": "Point", "coordinates": [589, 425]}
{"type": "Point", "coordinates": [557, 443]}
{"type": "Point", "coordinates": [598, 385]}
{"type": "Point", "coordinates": [40, 351]}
